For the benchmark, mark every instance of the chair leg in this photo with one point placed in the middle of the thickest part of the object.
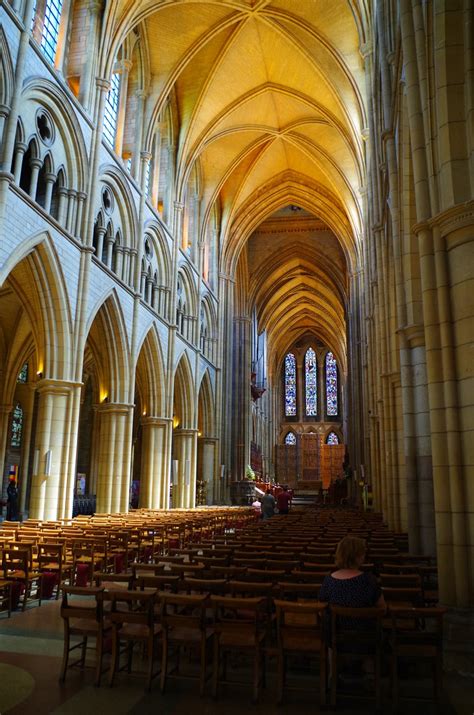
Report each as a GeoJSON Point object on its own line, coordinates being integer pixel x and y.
{"type": "Point", "coordinates": [438, 677]}
{"type": "Point", "coordinates": [281, 676]}
{"type": "Point", "coordinates": [215, 667]}
{"type": "Point", "coordinates": [62, 675]}
{"type": "Point", "coordinates": [115, 655]}
{"type": "Point", "coordinates": [99, 646]}
{"type": "Point", "coordinates": [378, 691]}
{"type": "Point", "coordinates": [256, 676]}
{"type": "Point", "coordinates": [394, 682]}
{"type": "Point", "coordinates": [151, 653]}
{"type": "Point", "coordinates": [83, 651]}
{"type": "Point", "coordinates": [333, 677]}
{"type": "Point", "coordinates": [164, 664]}
{"type": "Point", "coordinates": [202, 676]}
{"type": "Point", "coordinates": [322, 677]}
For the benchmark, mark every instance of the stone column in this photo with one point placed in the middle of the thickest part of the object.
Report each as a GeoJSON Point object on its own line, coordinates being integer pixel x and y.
{"type": "Point", "coordinates": [207, 450]}
{"type": "Point", "coordinates": [101, 231]}
{"type": "Point", "coordinates": [81, 197]}
{"type": "Point", "coordinates": [113, 469]}
{"type": "Point", "coordinates": [52, 485]}
{"type": "Point", "coordinates": [20, 150]}
{"type": "Point", "coordinates": [185, 452]}
{"type": "Point", "coordinates": [241, 411]}
{"type": "Point", "coordinates": [155, 471]}
{"type": "Point", "coordinates": [62, 207]}
{"type": "Point", "coordinates": [71, 211]}
{"type": "Point", "coordinates": [49, 179]}
{"type": "Point", "coordinates": [35, 165]}
{"type": "Point", "coordinates": [141, 96]}
{"type": "Point", "coordinates": [28, 407]}
{"type": "Point", "coordinates": [95, 8]}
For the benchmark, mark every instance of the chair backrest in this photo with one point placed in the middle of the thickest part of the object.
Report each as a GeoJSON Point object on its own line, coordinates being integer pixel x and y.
{"type": "Point", "coordinates": [405, 596]}
{"type": "Point", "coordinates": [78, 609]}
{"type": "Point", "coordinates": [300, 622]}
{"type": "Point", "coordinates": [163, 582]}
{"type": "Point", "coordinates": [140, 607]}
{"type": "Point", "coordinates": [288, 591]}
{"type": "Point", "coordinates": [356, 625]}
{"type": "Point", "coordinates": [15, 560]}
{"type": "Point", "coordinates": [239, 615]}
{"type": "Point", "coordinates": [424, 628]}
{"type": "Point", "coordinates": [111, 580]}
{"type": "Point", "coordinates": [205, 585]}
{"type": "Point", "coordinates": [183, 610]}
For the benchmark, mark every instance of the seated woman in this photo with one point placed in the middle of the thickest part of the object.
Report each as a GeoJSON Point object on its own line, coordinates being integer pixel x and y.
{"type": "Point", "coordinates": [350, 587]}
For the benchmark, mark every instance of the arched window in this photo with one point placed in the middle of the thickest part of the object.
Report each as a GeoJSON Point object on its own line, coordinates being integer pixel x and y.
{"type": "Point", "coordinates": [290, 385]}
{"type": "Point", "coordinates": [111, 109]}
{"type": "Point", "coordinates": [311, 383]}
{"type": "Point", "coordinates": [290, 438]}
{"type": "Point", "coordinates": [23, 374]}
{"type": "Point", "coordinates": [331, 385]}
{"type": "Point", "coordinates": [332, 438]}
{"type": "Point", "coordinates": [17, 426]}
{"type": "Point", "coordinates": [45, 26]}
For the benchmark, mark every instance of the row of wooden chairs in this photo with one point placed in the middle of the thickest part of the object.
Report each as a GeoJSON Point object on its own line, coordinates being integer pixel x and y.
{"type": "Point", "coordinates": [227, 623]}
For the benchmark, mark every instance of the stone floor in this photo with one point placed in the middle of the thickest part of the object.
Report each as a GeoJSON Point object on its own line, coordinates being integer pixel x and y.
{"type": "Point", "coordinates": [30, 657]}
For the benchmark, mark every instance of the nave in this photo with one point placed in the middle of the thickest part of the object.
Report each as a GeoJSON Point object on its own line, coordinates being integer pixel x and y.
{"type": "Point", "coordinates": [207, 555]}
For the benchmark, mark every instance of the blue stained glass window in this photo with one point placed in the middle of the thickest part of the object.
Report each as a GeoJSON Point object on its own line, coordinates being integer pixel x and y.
{"type": "Point", "coordinates": [52, 20]}
{"type": "Point", "coordinates": [332, 438]}
{"type": "Point", "coordinates": [331, 385]}
{"type": "Point", "coordinates": [17, 426]}
{"type": "Point", "coordinates": [311, 383]}
{"type": "Point", "coordinates": [111, 109]}
{"type": "Point", "coordinates": [290, 438]}
{"type": "Point", "coordinates": [290, 385]}
{"type": "Point", "coordinates": [23, 374]}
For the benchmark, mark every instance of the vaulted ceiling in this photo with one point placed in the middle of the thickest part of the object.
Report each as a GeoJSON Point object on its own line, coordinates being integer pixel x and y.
{"type": "Point", "coordinates": [270, 97]}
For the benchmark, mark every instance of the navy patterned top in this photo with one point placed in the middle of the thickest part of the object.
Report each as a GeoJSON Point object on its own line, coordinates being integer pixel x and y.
{"type": "Point", "coordinates": [360, 591]}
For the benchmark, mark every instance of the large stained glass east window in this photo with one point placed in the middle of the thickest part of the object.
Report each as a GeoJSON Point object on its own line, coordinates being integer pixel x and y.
{"type": "Point", "coordinates": [290, 385]}
{"type": "Point", "coordinates": [17, 427]}
{"type": "Point", "coordinates": [290, 438]}
{"type": "Point", "coordinates": [332, 438]}
{"type": "Point", "coordinates": [311, 383]}
{"type": "Point", "coordinates": [331, 385]}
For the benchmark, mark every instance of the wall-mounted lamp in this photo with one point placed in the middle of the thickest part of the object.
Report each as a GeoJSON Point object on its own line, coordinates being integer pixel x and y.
{"type": "Point", "coordinates": [39, 374]}
{"type": "Point", "coordinates": [144, 413]}
{"type": "Point", "coordinates": [106, 399]}
{"type": "Point", "coordinates": [175, 421]}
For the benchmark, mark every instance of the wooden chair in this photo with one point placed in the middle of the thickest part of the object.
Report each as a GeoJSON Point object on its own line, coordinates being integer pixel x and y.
{"type": "Point", "coordinates": [422, 642]}
{"type": "Point", "coordinates": [299, 631]}
{"type": "Point", "coordinates": [289, 591]}
{"type": "Point", "coordinates": [84, 618]}
{"type": "Point", "coordinates": [217, 586]}
{"type": "Point", "coordinates": [16, 568]}
{"type": "Point", "coordinates": [183, 618]}
{"type": "Point", "coordinates": [51, 559]}
{"type": "Point", "coordinates": [239, 625]}
{"type": "Point", "coordinates": [134, 623]}
{"type": "Point", "coordinates": [356, 633]}
{"type": "Point", "coordinates": [6, 595]}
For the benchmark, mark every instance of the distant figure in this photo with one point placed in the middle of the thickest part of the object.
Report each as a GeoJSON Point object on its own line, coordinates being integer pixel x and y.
{"type": "Point", "coordinates": [268, 505]}
{"type": "Point", "coordinates": [257, 508]}
{"type": "Point", "coordinates": [12, 500]}
{"type": "Point", "coordinates": [284, 501]}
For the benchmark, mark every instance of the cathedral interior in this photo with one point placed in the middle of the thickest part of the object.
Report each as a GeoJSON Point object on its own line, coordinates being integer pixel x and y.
{"type": "Point", "coordinates": [237, 235]}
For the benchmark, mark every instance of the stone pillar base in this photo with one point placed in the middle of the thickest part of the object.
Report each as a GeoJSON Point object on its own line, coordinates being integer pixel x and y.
{"type": "Point", "coordinates": [459, 641]}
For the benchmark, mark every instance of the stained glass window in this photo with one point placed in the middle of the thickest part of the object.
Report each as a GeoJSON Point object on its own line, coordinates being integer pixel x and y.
{"type": "Point", "coordinates": [332, 438]}
{"type": "Point", "coordinates": [290, 385]}
{"type": "Point", "coordinates": [111, 109]}
{"type": "Point", "coordinates": [17, 426]}
{"type": "Point", "coordinates": [331, 385]}
{"type": "Point", "coordinates": [52, 20]}
{"type": "Point", "coordinates": [311, 383]}
{"type": "Point", "coordinates": [23, 374]}
{"type": "Point", "coordinates": [290, 438]}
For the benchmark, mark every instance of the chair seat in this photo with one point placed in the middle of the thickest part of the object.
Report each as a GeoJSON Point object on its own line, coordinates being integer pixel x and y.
{"type": "Point", "coordinates": [308, 644]}
{"type": "Point", "coordinates": [240, 639]}
{"type": "Point", "coordinates": [414, 650]}
{"type": "Point", "coordinates": [187, 635]}
{"type": "Point", "coordinates": [84, 626]}
{"type": "Point", "coordinates": [137, 631]}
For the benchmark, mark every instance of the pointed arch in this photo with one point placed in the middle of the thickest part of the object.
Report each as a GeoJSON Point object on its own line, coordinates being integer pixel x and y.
{"type": "Point", "coordinates": [7, 76]}
{"type": "Point", "coordinates": [150, 373]}
{"type": "Point", "coordinates": [206, 407]}
{"type": "Point", "coordinates": [108, 340]}
{"type": "Point", "coordinates": [35, 273]}
{"type": "Point", "coordinates": [184, 392]}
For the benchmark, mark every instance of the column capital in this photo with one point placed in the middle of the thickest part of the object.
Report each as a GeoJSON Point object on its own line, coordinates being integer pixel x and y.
{"type": "Point", "coordinates": [146, 156]}
{"type": "Point", "coordinates": [115, 408]}
{"type": "Point", "coordinates": [60, 387]}
{"type": "Point", "coordinates": [4, 110]}
{"type": "Point", "coordinates": [148, 421]}
{"type": "Point", "coordinates": [36, 163]}
{"type": "Point", "coordinates": [102, 84]}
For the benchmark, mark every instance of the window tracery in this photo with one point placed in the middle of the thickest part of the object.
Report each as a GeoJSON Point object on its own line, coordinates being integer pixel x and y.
{"type": "Point", "coordinates": [290, 385]}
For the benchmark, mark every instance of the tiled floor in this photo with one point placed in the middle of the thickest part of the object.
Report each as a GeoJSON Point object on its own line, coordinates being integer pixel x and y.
{"type": "Point", "coordinates": [30, 657]}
